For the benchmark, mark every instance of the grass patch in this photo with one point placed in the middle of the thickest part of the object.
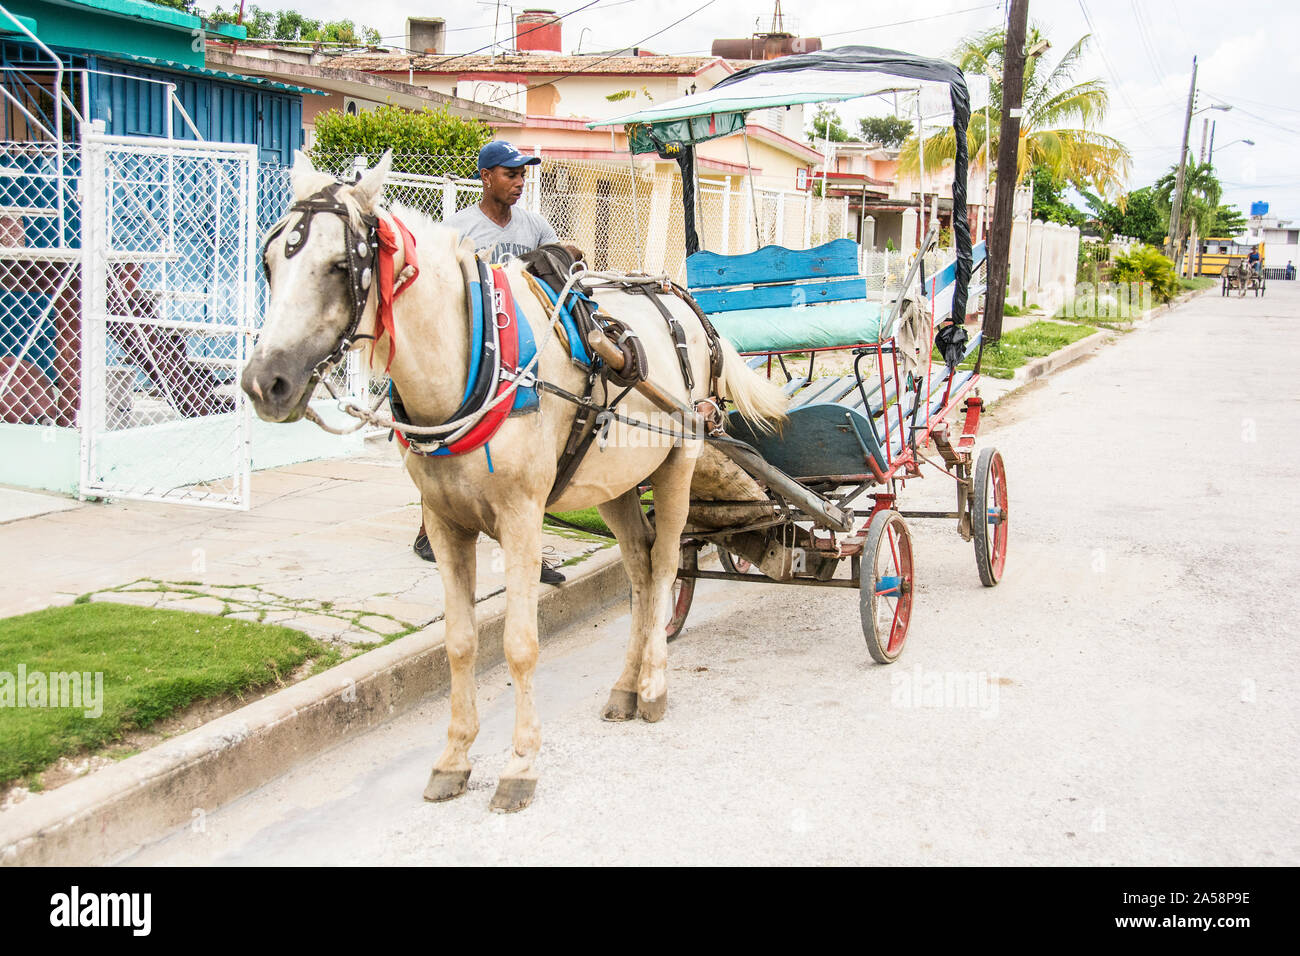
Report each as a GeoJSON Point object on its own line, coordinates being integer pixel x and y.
{"type": "Point", "coordinates": [154, 663]}
{"type": "Point", "coordinates": [1018, 346]}
{"type": "Point", "coordinates": [587, 518]}
{"type": "Point", "coordinates": [1200, 282]}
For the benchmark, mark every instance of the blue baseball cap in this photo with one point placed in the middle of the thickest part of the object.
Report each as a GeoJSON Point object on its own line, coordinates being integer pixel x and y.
{"type": "Point", "coordinates": [500, 153]}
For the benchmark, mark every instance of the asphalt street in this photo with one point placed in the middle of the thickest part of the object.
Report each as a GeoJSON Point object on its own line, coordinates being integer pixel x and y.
{"type": "Point", "coordinates": [1127, 695]}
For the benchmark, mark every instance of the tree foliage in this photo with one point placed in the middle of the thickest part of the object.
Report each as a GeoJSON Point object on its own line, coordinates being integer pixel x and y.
{"type": "Point", "coordinates": [1058, 128]}
{"type": "Point", "coordinates": [288, 25]}
{"type": "Point", "coordinates": [412, 136]}
{"type": "Point", "coordinates": [885, 130]}
{"type": "Point", "coordinates": [828, 125]}
{"type": "Point", "coordinates": [1049, 201]}
{"type": "Point", "coordinates": [1137, 215]}
{"type": "Point", "coordinates": [1201, 194]}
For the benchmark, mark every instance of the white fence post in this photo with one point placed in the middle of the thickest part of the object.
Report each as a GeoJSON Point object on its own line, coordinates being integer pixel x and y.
{"type": "Point", "coordinates": [726, 216]}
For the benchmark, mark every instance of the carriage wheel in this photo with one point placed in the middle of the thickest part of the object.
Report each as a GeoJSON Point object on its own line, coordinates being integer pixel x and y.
{"type": "Point", "coordinates": [989, 516]}
{"type": "Point", "coordinates": [683, 593]}
{"type": "Point", "coordinates": [733, 563]}
{"type": "Point", "coordinates": [885, 586]}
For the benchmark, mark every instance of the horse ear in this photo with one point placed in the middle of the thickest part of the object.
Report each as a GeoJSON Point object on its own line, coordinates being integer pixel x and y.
{"type": "Point", "coordinates": [301, 173]}
{"type": "Point", "coordinates": [369, 186]}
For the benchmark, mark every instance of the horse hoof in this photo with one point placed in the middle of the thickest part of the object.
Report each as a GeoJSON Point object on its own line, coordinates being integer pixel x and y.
{"type": "Point", "coordinates": [653, 710]}
{"type": "Point", "coordinates": [513, 794]}
{"type": "Point", "coordinates": [621, 705]}
{"type": "Point", "coordinates": [445, 785]}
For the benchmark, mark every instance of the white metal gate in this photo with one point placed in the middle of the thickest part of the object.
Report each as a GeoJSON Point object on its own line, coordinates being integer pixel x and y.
{"type": "Point", "coordinates": [168, 311]}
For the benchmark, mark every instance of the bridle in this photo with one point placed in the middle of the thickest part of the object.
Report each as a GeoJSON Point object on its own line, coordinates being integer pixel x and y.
{"type": "Point", "coordinates": [361, 251]}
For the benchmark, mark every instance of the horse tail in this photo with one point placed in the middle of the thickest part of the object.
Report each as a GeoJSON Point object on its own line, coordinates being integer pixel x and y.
{"type": "Point", "coordinates": [759, 400]}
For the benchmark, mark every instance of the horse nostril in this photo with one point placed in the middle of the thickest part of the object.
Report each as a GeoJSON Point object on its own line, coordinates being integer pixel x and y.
{"type": "Point", "coordinates": [279, 389]}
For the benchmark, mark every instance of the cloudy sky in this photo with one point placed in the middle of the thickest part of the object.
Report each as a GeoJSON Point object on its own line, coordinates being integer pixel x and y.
{"type": "Point", "coordinates": [1143, 49]}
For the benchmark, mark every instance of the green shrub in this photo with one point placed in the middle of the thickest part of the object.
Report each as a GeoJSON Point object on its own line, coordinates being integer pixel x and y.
{"type": "Point", "coordinates": [1146, 265]}
{"type": "Point", "coordinates": [412, 136]}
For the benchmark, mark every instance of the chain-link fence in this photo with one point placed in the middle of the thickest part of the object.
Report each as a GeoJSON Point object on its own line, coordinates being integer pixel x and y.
{"type": "Point", "coordinates": [624, 216]}
{"type": "Point", "coordinates": [40, 283]}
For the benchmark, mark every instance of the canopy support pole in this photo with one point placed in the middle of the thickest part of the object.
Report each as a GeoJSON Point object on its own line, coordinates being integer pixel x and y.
{"type": "Point", "coordinates": [636, 212]}
{"type": "Point", "coordinates": [920, 148]}
{"type": "Point", "coordinates": [686, 162]}
{"type": "Point", "coordinates": [753, 199]}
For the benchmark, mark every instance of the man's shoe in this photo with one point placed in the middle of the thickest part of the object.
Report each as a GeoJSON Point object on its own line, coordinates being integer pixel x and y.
{"type": "Point", "coordinates": [551, 574]}
{"type": "Point", "coordinates": [422, 546]}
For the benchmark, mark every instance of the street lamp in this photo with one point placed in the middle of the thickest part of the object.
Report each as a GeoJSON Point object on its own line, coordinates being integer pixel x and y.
{"type": "Point", "coordinates": [1248, 142]}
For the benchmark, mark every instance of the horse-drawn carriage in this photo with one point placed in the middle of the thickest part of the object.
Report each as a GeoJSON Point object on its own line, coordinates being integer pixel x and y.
{"type": "Point", "coordinates": [1243, 276]}
{"type": "Point", "coordinates": [826, 496]}
{"type": "Point", "coordinates": [498, 419]}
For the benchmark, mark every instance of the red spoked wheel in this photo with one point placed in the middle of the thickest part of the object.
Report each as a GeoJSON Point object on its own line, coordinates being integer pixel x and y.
{"type": "Point", "coordinates": [734, 563]}
{"type": "Point", "coordinates": [683, 593]}
{"type": "Point", "coordinates": [885, 586]}
{"type": "Point", "coordinates": [989, 516]}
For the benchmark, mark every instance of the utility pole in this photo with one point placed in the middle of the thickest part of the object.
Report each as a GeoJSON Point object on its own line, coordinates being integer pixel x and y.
{"type": "Point", "coordinates": [1210, 157]}
{"type": "Point", "coordinates": [1013, 91]}
{"type": "Point", "coordinates": [1173, 247]}
{"type": "Point", "coordinates": [1205, 131]}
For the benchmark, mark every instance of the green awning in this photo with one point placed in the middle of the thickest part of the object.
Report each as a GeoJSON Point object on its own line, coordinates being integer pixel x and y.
{"type": "Point", "coordinates": [217, 74]}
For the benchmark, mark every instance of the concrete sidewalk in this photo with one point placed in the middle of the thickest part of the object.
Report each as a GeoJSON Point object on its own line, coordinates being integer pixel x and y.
{"type": "Point", "coordinates": [326, 548]}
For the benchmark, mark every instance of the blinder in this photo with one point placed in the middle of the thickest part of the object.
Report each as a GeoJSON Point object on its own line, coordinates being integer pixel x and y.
{"type": "Point", "coordinates": [361, 251]}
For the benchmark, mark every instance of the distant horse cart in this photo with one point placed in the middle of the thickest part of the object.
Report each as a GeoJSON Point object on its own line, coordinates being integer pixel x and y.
{"type": "Point", "coordinates": [1240, 277]}
{"type": "Point", "coordinates": [537, 361]}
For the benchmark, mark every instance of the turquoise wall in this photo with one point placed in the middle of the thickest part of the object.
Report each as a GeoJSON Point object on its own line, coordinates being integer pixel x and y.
{"type": "Point", "coordinates": [119, 26]}
{"type": "Point", "coordinates": [48, 458]}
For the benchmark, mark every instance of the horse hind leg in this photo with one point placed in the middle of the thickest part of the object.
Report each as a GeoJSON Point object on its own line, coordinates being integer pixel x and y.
{"type": "Point", "coordinates": [626, 519]}
{"type": "Point", "coordinates": [454, 550]}
{"type": "Point", "coordinates": [672, 484]}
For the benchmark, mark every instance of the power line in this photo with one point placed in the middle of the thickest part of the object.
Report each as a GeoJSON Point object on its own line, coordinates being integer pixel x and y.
{"type": "Point", "coordinates": [611, 56]}
{"type": "Point", "coordinates": [1246, 99]}
{"type": "Point", "coordinates": [1152, 57]}
{"type": "Point", "coordinates": [898, 23]}
{"type": "Point", "coordinates": [901, 23]}
{"type": "Point", "coordinates": [521, 33]}
{"type": "Point", "coordinates": [1110, 67]}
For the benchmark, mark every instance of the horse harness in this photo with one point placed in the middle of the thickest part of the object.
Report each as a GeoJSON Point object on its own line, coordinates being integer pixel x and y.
{"type": "Point", "coordinates": [551, 265]}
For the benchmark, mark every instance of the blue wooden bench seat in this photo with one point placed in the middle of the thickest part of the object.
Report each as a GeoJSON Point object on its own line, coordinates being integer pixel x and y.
{"type": "Point", "coordinates": [786, 300]}
{"type": "Point", "coordinates": [793, 300]}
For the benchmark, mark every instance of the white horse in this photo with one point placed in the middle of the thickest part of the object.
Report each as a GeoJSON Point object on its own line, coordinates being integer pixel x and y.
{"type": "Point", "coordinates": [310, 309]}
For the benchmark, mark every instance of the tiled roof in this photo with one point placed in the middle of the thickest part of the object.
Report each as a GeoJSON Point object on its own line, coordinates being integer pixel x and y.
{"type": "Point", "coordinates": [531, 64]}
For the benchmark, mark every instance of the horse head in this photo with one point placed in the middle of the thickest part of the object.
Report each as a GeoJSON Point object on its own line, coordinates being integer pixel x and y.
{"type": "Point", "coordinates": [320, 269]}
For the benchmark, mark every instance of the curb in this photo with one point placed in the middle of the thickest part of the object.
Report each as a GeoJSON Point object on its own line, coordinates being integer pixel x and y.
{"type": "Point", "coordinates": [1061, 357]}
{"type": "Point", "coordinates": [105, 816]}
{"type": "Point", "coordinates": [1077, 350]}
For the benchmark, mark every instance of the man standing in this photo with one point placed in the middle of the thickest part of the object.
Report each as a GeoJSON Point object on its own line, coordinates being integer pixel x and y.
{"type": "Point", "coordinates": [500, 231]}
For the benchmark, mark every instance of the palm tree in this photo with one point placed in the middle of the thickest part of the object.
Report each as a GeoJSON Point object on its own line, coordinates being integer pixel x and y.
{"type": "Point", "coordinates": [1201, 195]}
{"type": "Point", "coordinates": [1057, 130]}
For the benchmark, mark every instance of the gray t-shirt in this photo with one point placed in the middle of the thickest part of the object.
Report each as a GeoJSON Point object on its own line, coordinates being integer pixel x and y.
{"type": "Point", "coordinates": [523, 233]}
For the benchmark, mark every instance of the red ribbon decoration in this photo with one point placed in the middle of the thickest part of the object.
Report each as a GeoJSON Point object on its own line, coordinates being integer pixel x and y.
{"type": "Point", "coordinates": [387, 247]}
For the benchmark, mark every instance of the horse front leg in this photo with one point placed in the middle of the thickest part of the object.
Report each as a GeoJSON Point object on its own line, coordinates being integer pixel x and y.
{"type": "Point", "coordinates": [521, 541]}
{"type": "Point", "coordinates": [626, 519]}
{"type": "Point", "coordinates": [672, 485]}
{"type": "Point", "coordinates": [454, 549]}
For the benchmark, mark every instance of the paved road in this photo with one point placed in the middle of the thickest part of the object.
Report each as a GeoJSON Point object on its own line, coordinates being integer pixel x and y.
{"type": "Point", "coordinates": [1135, 674]}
